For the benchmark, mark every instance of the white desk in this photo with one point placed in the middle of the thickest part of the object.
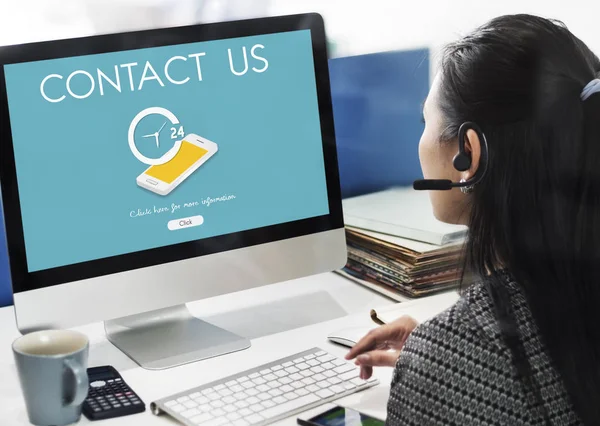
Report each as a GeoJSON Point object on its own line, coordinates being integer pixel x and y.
{"type": "Point", "coordinates": [296, 299]}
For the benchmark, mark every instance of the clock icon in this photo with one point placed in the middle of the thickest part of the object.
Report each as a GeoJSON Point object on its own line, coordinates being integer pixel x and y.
{"type": "Point", "coordinates": [170, 154]}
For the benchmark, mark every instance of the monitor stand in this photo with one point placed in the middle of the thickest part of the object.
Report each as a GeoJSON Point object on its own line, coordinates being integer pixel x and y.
{"type": "Point", "coordinates": [170, 337]}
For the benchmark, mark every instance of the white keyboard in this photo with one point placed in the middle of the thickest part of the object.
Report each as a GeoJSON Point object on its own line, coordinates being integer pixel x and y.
{"type": "Point", "coordinates": [267, 393]}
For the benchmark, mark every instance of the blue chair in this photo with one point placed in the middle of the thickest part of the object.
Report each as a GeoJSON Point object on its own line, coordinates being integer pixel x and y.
{"type": "Point", "coordinates": [377, 100]}
{"type": "Point", "coordinates": [5, 287]}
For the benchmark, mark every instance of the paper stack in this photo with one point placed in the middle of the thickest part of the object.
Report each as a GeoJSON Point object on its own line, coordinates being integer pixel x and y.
{"type": "Point", "coordinates": [397, 247]}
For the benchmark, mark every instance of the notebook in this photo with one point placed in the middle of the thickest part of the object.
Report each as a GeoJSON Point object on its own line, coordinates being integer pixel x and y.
{"type": "Point", "coordinates": [435, 304]}
{"type": "Point", "coordinates": [401, 212]}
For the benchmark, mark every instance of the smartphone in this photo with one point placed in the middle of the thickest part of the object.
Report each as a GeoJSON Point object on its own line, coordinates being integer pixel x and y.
{"type": "Point", "coordinates": [335, 415]}
{"type": "Point", "coordinates": [164, 178]}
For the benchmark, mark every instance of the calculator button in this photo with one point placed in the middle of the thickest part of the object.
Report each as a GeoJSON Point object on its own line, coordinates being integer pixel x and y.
{"type": "Point", "coordinates": [118, 380]}
{"type": "Point", "coordinates": [98, 384]}
{"type": "Point", "coordinates": [117, 405]}
{"type": "Point", "coordinates": [126, 404]}
{"type": "Point", "coordinates": [137, 402]}
{"type": "Point", "coordinates": [97, 410]}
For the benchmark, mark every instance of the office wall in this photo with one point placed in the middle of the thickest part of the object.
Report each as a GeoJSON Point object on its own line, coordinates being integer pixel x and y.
{"type": "Point", "coordinates": [359, 28]}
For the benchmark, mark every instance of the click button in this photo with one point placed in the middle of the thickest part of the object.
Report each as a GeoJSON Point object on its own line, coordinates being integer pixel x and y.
{"type": "Point", "coordinates": [186, 222]}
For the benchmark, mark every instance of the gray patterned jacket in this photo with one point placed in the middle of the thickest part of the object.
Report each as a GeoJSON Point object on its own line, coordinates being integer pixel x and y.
{"type": "Point", "coordinates": [456, 370]}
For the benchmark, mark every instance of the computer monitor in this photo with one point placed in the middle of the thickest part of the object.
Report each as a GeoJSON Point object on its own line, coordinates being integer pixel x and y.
{"type": "Point", "coordinates": [144, 170]}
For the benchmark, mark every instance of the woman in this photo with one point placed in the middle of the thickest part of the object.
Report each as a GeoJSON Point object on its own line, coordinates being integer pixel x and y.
{"type": "Point", "coordinates": [522, 346]}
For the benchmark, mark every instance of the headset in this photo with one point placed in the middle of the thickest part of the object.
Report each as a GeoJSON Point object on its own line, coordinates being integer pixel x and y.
{"type": "Point", "coordinates": [461, 162]}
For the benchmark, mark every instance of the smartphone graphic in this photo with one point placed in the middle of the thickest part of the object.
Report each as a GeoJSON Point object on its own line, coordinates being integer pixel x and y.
{"type": "Point", "coordinates": [162, 179]}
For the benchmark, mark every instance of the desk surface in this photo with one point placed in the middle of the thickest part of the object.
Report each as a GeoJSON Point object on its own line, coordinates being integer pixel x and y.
{"type": "Point", "coordinates": [340, 302]}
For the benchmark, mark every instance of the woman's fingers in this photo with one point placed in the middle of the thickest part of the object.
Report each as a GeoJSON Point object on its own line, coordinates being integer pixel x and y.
{"type": "Point", "coordinates": [392, 335]}
{"type": "Point", "coordinates": [378, 359]}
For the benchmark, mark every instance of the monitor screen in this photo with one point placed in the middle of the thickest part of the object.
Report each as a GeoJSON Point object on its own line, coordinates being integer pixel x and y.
{"type": "Point", "coordinates": [125, 151]}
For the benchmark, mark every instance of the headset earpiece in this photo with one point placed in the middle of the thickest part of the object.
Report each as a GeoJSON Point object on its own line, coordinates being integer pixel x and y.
{"type": "Point", "coordinates": [462, 160]}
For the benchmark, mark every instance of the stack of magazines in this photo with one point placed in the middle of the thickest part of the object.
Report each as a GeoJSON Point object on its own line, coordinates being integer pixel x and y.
{"type": "Point", "coordinates": [397, 247]}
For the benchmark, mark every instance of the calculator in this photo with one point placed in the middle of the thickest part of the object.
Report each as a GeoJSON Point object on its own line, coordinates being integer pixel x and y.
{"type": "Point", "coordinates": [109, 396]}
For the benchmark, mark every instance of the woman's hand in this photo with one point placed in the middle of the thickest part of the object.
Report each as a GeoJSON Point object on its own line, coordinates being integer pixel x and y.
{"type": "Point", "coordinates": [381, 346]}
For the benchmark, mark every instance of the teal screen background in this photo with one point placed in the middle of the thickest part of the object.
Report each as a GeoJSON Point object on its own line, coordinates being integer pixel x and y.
{"type": "Point", "coordinates": [77, 175]}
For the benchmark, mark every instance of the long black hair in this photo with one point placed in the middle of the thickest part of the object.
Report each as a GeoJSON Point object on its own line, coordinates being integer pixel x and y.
{"type": "Point", "coordinates": [537, 211]}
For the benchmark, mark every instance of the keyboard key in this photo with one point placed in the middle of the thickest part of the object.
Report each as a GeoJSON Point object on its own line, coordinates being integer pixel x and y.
{"type": "Point", "coordinates": [190, 413]}
{"type": "Point", "coordinates": [276, 368]}
{"type": "Point", "coordinates": [213, 396]}
{"type": "Point", "coordinates": [233, 416]}
{"type": "Point", "coordinates": [334, 380]}
{"type": "Point", "coordinates": [244, 412]}
{"type": "Point", "coordinates": [201, 418]}
{"type": "Point", "coordinates": [268, 404]}
{"type": "Point", "coordinates": [169, 404]}
{"type": "Point", "coordinates": [328, 366]}
{"type": "Point", "coordinates": [317, 369]}
{"type": "Point", "coordinates": [259, 381]}
{"type": "Point", "coordinates": [337, 389]}
{"type": "Point", "coordinates": [291, 395]}
{"type": "Point", "coordinates": [297, 385]}
{"type": "Point", "coordinates": [229, 400]}
{"type": "Point", "coordinates": [263, 388]}
{"type": "Point", "coordinates": [225, 392]}
{"type": "Point", "coordinates": [270, 377]}
{"type": "Point", "coordinates": [291, 370]}
{"type": "Point", "coordinates": [231, 383]}
{"type": "Point", "coordinates": [302, 366]}
{"type": "Point", "coordinates": [306, 373]}
{"type": "Point", "coordinates": [177, 408]}
{"type": "Point", "coordinates": [218, 412]}
{"type": "Point", "coordinates": [279, 400]}
{"type": "Point", "coordinates": [263, 396]}
{"type": "Point", "coordinates": [349, 375]}
{"type": "Point", "coordinates": [205, 408]}
{"type": "Point", "coordinates": [302, 392]}
{"type": "Point", "coordinates": [286, 388]}
{"type": "Point", "coordinates": [287, 364]}
{"type": "Point", "coordinates": [296, 377]}
{"type": "Point", "coordinates": [298, 360]}
{"type": "Point", "coordinates": [288, 406]}
{"type": "Point", "coordinates": [329, 373]}
{"type": "Point", "coordinates": [207, 391]}
{"type": "Point", "coordinates": [248, 385]}
{"type": "Point", "coordinates": [320, 353]}
{"type": "Point", "coordinates": [243, 379]}
{"type": "Point", "coordinates": [190, 404]}
{"type": "Point", "coordinates": [241, 404]}
{"type": "Point", "coordinates": [275, 392]}
{"type": "Point", "coordinates": [254, 418]}
{"type": "Point", "coordinates": [253, 400]}
{"type": "Point", "coordinates": [281, 373]}
{"type": "Point", "coordinates": [254, 375]}
{"type": "Point", "coordinates": [313, 388]}
{"type": "Point", "coordinates": [338, 362]}
{"type": "Point", "coordinates": [264, 372]}
{"type": "Point", "coordinates": [219, 387]}
{"type": "Point", "coordinates": [240, 422]}
{"type": "Point", "coordinates": [257, 408]}
{"type": "Point", "coordinates": [217, 404]}
{"type": "Point", "coordinates": [236, 388]}
{"type": "Point", "coordinates": [312, 362]}
{"type": "Point", "coordinates": [240, 396]}
{"type": "Point", "coordinates": [324, 384]}
{"type": "Point", "coordinates": [307, 357]}
{"type": "Point", "coordinates": [230, 409]}
{"type": "Point", "coordinates": [344, 368]}
{"type": "Point", "coordinates": [319, 377]}
{"type": "Point", "coordinates": [324, 393]}
{"type": "Point", "coordinates": [274, 384]}
{"type": "Point", "coordinates": [285, 380]}
{"type": "Point", "coordinates": [357, 381]}
{"type": "Point", "coordinates": [216, 422]}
